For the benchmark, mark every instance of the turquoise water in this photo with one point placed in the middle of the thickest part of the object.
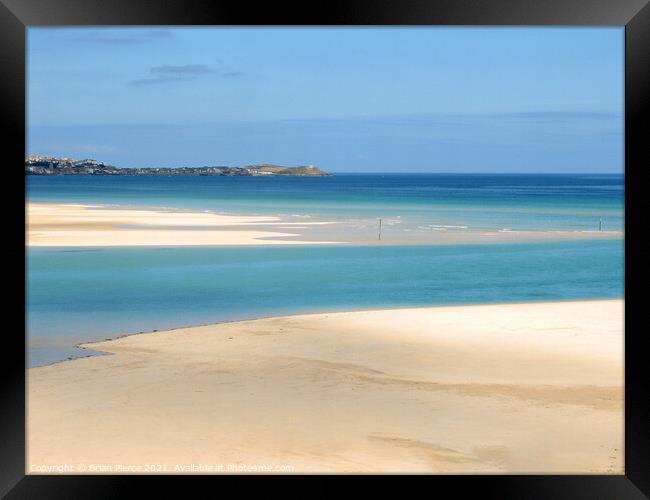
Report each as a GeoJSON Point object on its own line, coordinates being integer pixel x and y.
{"type": "Point", "coordinates": [480, 202]}
{"type": "Point", "coordinates": [85, 294]}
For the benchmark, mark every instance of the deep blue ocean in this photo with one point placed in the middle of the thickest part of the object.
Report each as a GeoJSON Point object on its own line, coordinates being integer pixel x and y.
{"type": "Point", "coordinates": [85, 294]}
{"type": "Point", "coordinates": [479, 201]}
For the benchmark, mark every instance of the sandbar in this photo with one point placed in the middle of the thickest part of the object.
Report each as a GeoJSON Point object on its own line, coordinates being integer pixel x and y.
{"type": "Point", "coordinates": [509, 388]}
{"type": "Point", "coordinates": [65, 225]}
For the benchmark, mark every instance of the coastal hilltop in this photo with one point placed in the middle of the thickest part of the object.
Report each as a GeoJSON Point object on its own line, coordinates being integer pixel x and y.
{"type": "Point", "coordinates": [47, 165]}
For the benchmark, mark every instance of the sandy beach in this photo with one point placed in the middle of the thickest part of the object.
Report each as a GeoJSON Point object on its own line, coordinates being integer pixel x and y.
{"type": "Point", "coordinates": [67, 225]}
{"type": "Point", "coordinates": [522, 388]}
{"type": "Point", "coordinates": [50, 224]}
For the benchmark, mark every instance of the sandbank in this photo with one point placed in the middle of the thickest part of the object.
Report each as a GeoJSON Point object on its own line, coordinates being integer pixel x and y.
{"type": "Point", "coordinates": [65, 225]}
{"type": "Point", "coordinates": [518, 388]}
{"type": "Point", "coordinates": [51, 224]}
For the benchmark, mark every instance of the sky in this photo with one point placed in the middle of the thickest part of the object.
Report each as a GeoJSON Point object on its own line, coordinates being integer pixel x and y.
{"type": "Point", "coordinates": [349, 99]}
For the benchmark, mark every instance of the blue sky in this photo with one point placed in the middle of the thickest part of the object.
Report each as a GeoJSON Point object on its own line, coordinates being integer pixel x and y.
{"type": "Point", "coordinates": [416, 99]}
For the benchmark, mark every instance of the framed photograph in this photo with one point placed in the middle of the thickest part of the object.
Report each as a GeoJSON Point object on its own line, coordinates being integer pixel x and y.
{"type": "Point", "coordinates": [374, 240]}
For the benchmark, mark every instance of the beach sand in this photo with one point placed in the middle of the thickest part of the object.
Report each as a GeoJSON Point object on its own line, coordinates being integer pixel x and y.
{"type": "Point", "coordinates": [50, 224]}
{"type": "Point", "coordinates": [523, 388]}
{"type": "Point", "coordinates": [64, 225]}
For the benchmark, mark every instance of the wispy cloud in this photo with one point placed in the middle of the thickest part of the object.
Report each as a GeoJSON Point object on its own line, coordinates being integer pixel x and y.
{"type": "Point", "coordinates": [556, 116]}
{"type": "Point", "coordinates": [159, 79]}
{"type": "Point", "coordinates": [180, 73]}
{"type": "Point", "coordinates": [465, 119]}
{"type": "Point", "coordinates": [187, 69]}
{"type": "Point", "coordinates": [124, 37]}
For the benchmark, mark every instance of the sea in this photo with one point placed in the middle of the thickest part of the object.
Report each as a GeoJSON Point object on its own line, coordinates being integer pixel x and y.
{"type": "Point", "coordinates": [80, 294]}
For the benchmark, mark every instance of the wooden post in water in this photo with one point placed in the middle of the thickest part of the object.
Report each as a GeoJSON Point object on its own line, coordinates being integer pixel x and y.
{"type": "Point", "coordinates": [379, 229]}
{"type": "Point", "coordinates": [600, 224]}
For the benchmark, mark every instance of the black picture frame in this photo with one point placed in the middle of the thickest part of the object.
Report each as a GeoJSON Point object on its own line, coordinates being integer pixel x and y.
{"type": "Point", "coordinates": [16, 15]}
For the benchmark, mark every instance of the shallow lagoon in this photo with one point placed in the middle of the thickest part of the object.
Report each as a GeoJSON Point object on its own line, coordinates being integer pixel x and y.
{"type": "Point", "coordinates": [85, 294]}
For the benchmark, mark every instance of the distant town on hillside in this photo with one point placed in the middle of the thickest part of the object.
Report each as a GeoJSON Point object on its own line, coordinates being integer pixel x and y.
{"type": "Point", "coordinates": [48, 165]}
